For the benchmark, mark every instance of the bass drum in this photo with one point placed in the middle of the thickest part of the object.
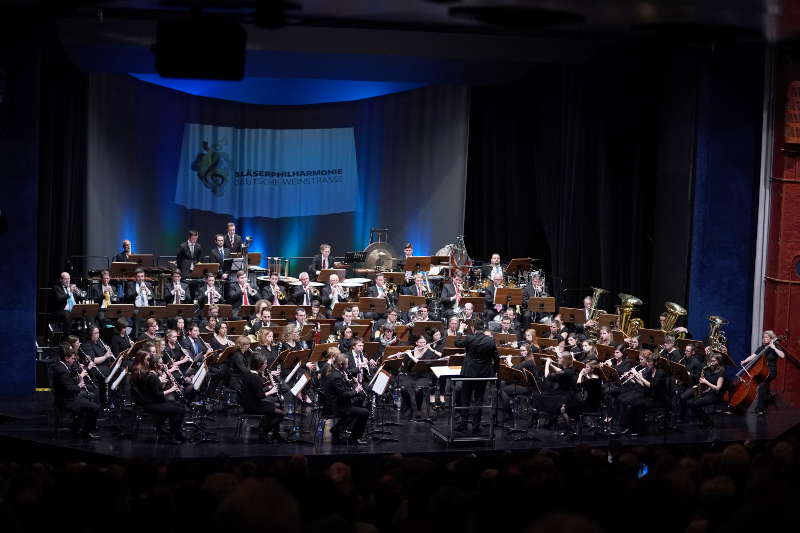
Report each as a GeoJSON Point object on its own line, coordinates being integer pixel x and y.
{"type": "Point", "coordinates": [436, 270]}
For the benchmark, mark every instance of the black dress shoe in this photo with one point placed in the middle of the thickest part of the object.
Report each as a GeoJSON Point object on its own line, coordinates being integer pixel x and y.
{"type": "Point", "coordinates": [356, 442]}
{"type": "Point", "coordinates": [88, 435]}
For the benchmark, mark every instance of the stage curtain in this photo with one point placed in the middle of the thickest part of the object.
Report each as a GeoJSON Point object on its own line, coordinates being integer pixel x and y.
{"type": "Point", "coordinates": [582, 167]}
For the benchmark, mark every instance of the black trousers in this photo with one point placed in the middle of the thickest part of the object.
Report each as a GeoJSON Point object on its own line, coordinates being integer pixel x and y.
{"type": "Point", "coordinates": [763, 389]}
{"type": "Point", "coordinates": [167, 411]}
{"type": "Point", "coordinates": [85, 412]}
{"type": "Point", "coordinates": [354, 418]}
{"type": "Point", "coordinates": [697, 404]}
{"type": "Point", "coordinates": [472, 394]}
{"type": "Point", "coordinates": [271, 417]}
{"type": "Point", "coordinates": [634, 409]}
{"type": "Point", "coordinates": [414, 385]}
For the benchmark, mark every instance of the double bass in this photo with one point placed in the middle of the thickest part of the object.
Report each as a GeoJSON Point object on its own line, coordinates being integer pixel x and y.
{"type": "Point", "coordinates": [749, 378]}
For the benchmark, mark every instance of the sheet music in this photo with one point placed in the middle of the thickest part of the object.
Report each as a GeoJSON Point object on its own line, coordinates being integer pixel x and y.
{"type": "Point", "coordinates": [298, 387]}
{"type": "Point", "coordinates": [440, 371]}
{"type": "Point", "coordinates": [119, 380]}
{"type": "Point", "coordinates": [197, 381]}
{"type": "Point", "coordinates": [291, 374]}
{"type": "Point", "coordinates": [381, 382]}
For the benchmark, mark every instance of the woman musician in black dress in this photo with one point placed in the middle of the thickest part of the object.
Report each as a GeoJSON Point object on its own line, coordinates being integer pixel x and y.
{"type": "Point", "coordinates": [708, 390]}
{"type": "Point", "coordinates": [258, 397]}
{"type": "Point", "coordinates": [413, 384]}
{"type": "Point", "coordinates": [563, 379]}
{"type": "Point", "coordinates": [510, 391]}
{"type": "Point", "coordinates": [150, 395]}
{"type": "Point", "coordinates": [771, 352]}
{"type": "Point", "coordinates": [220, 340]}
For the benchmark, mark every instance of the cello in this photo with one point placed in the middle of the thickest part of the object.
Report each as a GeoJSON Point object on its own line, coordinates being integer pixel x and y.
{"type": "Point", "coordinates": [749, 378]}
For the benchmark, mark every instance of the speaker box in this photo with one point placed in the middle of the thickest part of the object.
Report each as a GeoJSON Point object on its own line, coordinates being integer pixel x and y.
{"type": "Point", "coordinates": [200, 48]}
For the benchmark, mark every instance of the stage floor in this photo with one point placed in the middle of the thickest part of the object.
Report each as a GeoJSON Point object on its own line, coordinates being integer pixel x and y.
{"type": "Point", "coordinates": [26, 433]}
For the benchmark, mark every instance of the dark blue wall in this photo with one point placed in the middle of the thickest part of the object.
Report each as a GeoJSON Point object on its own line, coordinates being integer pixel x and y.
{"type": "Point", "coordinates": [18, 177]}
{"type": "Point", "coordinates": [725, 192]}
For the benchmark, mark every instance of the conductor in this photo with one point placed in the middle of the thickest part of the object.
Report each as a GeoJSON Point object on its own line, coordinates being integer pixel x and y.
{"type": "Point", "coordinates": [479, 362]}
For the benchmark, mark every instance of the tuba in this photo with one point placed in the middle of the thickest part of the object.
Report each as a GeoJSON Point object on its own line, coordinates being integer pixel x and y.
{"type": "Point", "coordinates": [674, 312]}
{"type": "Point", "coordinates": [594, 313]}
{"type": "Point", "coordinates": [628, 325]}
{"type": "Point", "coordinates": [716, 336]}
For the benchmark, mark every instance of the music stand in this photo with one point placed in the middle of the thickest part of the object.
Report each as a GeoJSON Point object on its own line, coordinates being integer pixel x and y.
{"type": "Point", "coordinates": [407, 301]}
{"type": "Point", "coordinates": [362, 322]}
{"type": "Point", "coordinates": [236, 327]}
{"type": "Point", "coordinates": [502, 338]}
{"type": "Point", "coordinates": [402, 332]}
{"type": "Point", "coordinates": [542, 304]}
{"type": "Point", "coordinates": [319, 349]}
{"type": "Point", "coordinates": [392, 350]}
{"type": "Point", "coordinates": [608, 320]}
{"type": "Point", "coordinates": [417, 263]}
{"type": "Point", "coordinates": [421, 326]}
{"type": "Point", "coordinates": [246, 310]}
{"type": "Point", "coordinates": [339, 307]}
{"type": "Point", "coordinates": [372, 349]}
{"type": "Point", "coordinates": [225, 310]}
{"type": "Point", "coordinates": [521, 263]}
{"type": "Point", "coordinates": [574, 315]}
{"type": "Point", "coordinates": [143, 260]}
{"type": "Point", "coordinates": [123, 270]}
{"type": "Point", "coordinates": [680, 373]}
{"type": "Point", "coordinates": [157, 312]}
{"type": "Point", "coordinates": [398, 278]}
{"type": "Point", "coordinates": [369, 304]}
{"type": "Point", "coordinates": [325, 275]}
{"type": "Point", "coordinates": [201, 269]}
{"type": "Point", "coordinates": [653, 337]}
{"type": "Point", "coordinates": [225, 354]}
{"type": "Point", "coordinates": [360, 330]}
{"type": "Point", "coordinates": [184, 310]}
{"type": "Point", "coordinates": [478, 303]}
{"type": "Point", "coordinates": [254, 258]}
{"type": "Point", "coordinates": [617, 336]}
{"type": "Point", "coordinates": [232, 264]}
{"type": "Point", "coordinates": [287, 311]}
{"type": "Point", "coordinates": [508, 350]}
{"type": "Point", "coordinates": [604, 352]}
{"type": "Point", "coordinates": [632, 354]}
{"type": "Point", "coordinates": [84, 311]}
{"type": "Point", "coordinates": [540, 329]}
{"type": "Point", "coordinates": [541, 342]}
{"type": "Point", "coordinates": [507, 296]}
{"type": "Point", "coordinates": [117, 311]}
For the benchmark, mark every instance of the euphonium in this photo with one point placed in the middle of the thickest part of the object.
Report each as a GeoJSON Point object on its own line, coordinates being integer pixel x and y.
{"type": "Point", "coordinates": [674, 311]}
{"type": "Point", "coordinates": [595, 312]}
{"type": "Point", "coordinates": [628, 325]}
{"type": "Point", "coordinates": [716, 336]}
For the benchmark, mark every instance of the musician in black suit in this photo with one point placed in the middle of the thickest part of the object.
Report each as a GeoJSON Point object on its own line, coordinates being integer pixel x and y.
{"type": "Point", "coordinates": [480, 362]}
{"type": "Point", "coordinates": [303, 294]}
{"type": "Point", "coordinates": [124, 255]}
{"type": "Point", "coordinates": [492, 309]}
{"type": "Point", "coordinates": [220, 252]}
{"type": "Point", "coordinates": [359, 366]}
{"type": "Point", "coordinates": [537, 288]}
{"type": "Point", "coordinates": [139, 292]}
{"type": "Point", "coordinates": [189, 253]}
{"type": "Point", "coordinates": [332, 293]}
{"type": "Point", "coordinates": [97, 357]}
{"type": "Point", "coordinates": [321, 261]}
{"type": "Point", "coordinates": [241, 293]}
{"type": "Point", "coordinates": [418, 287]}
{"type": "Point", "coordinates": [338, 394]}
{"type": "Point", "coordinates": [70, 395]}
{"type": "Point", "coordinates": [345, 322]}
{"type": "Point", "coordinates": [233, 241]}
{"type": "Point", "coordinates": [452, 293]}
{"type": "Point", "coordinates": [104, 292]}
{"type": "Point", "coordinates": [65, 296]}
{"type": "Point", "coordinates": [177, 291]}
{"type": "Point", "coordinates": [209, 293]}
{"type": "Point", "coordinates": [272, 292]}
{"type": "Point", "coordinates": [257, 398]}
{"type": "Point", "coordinates": [493, 268]}
{"type": "Point", "coordinates": [238, 364]}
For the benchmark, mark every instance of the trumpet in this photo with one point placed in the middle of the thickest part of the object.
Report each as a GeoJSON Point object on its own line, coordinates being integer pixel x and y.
{"type": "Point", "coordinates": [212, 296]}
{"type": "Point", "coordinates": [250, 290]}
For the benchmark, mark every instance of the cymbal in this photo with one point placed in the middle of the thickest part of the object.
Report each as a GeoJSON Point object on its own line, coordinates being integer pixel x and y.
{"type": "Point", "coordinates": [288, 279]}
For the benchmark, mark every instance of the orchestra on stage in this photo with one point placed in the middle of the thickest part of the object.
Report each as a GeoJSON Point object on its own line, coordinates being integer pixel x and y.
{"type": "Point", "coordinates": [360, 338]}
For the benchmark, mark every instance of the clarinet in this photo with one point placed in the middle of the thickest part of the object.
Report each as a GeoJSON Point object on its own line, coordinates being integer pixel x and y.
{"type": "Point", "coordinates": [178, 388]}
